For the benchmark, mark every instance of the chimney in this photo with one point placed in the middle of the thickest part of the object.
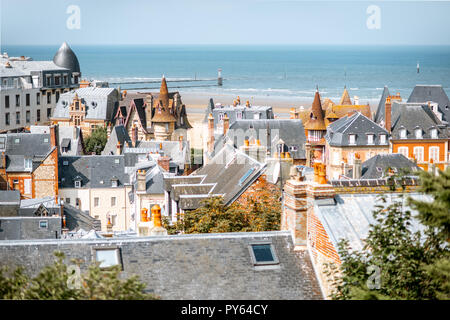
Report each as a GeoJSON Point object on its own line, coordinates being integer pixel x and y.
{"type": "Point", "coordinates": [238, 100]}
{"type": "Point", "coordinates": [387, 114]}
{"type": "Point", "coordinates": [144, 215]}
{"type": "Point", "coordinates": [158, 229]}
{"type": "Point", "coordinates": [53, 139]}
{"type": "Point", "coordinates": [357, 167]}
{"type": "Point", "coordinates": [134, 135]}
{"type": "Point", "coordinates": [210, 138]}
{"type": "Point", "coordinates": [164, 163]}
{"type": "Point", "coordinates": [108, 130]}
{"type": "Point", "coordinates": [226, 124]}
{"type": "Point", "coordinates": [356, 100]}
{"type": "Point", "coordinates": [140, 177]}
{"type": "Point", "coordinates": [247, 104]}
{"type": "Point", "coordinates": [118, 149]}
{"type": "Point", "coordinates": [180, 142]}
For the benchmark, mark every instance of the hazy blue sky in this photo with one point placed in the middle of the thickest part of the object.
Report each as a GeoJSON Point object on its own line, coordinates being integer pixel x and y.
{"type": "Point", "coordinates": [224, 22]}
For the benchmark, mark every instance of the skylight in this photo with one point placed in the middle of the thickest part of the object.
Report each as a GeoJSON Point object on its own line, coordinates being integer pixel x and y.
{"type": "Point", "coordinates": [263, 254]}
{"type": "Point", "coordinates": [246, 175]}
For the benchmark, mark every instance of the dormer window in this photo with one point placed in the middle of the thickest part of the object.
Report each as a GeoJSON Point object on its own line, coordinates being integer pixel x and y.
{"type": "Point", "coordinates": [370, 139]}
{"type": "Point", "coordinates": [114, 182]}
{"type": "Point", "coordinates": [403, 133]}
{"type": "Point", "coordinates": [418, 133]}
{"type": "Point", "coordinates": [77, 184]}
{"type": "Point", "coordinates": [434, 133]}
{"type": "Point", "coordinates": [383, 139]}
{"type": "Point", "coordinates": [28, 163]}
{"type": "Point", "coordinates": [351, 139]}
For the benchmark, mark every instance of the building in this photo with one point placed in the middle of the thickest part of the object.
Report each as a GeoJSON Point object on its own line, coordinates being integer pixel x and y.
{"type": "Point", "coordinates": [384, 165]}
{"type": "Point", "coordinates": [260, 138]}
{"type": "Point", "coordinates": [69, 139]}
{"type": "Point", "coordinates": [353, 137]}
{"type": "Point", "coordinates": [315, 129]}
{"type": "Point", "coordinates": [435, 96]}
{"type": "Point", "coordinates": [259, 265]}
{"type": "Point", "coordinates": [29, 90]}
{"type": "Point", "coordinates": [229, 174]}
{"type": "Point", "coordinates": [99, 186]}
{"type": "Point", "coordinates": [30, 164]}
{"type": "Point", "coordinates": [86, 108]}
{"type": "Point", "coordinates": [417, 133]}
{"type": "Point", "coordinates": [320, 214]}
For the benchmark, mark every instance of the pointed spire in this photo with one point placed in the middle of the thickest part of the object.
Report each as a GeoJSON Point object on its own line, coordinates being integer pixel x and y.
{"type": "Point", "coordinates": [345, 100]}
{"type": "Point", "coordinates": [316, 121]}
{"type": "Point", "coordinates": [164, 93]}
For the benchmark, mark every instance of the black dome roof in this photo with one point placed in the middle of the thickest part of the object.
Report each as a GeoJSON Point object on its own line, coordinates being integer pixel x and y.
{"type": "Point", "coordinates": [66, 58]}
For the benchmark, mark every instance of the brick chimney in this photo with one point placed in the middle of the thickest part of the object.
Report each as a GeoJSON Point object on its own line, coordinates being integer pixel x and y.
{"type": "Point", "coordinates": [210, 138]}
{"type": "Point", "coordinates": [157, 229]}
{"type": "Point", "coordinates": [119, 148]}
{"type": "Point", "coordinates": [134, 135]}
{"type": "Point", "coordinates": [226, 124]}
{"type": "Point", "coordinates": [140, 177]}
{"type": "Point", "coordinates": [53, 138]}
{"type": "Point", "coordinates": [164, 163]}
{"type": "Point", "coordinates": [387, 114]}
{"type": "Point", "coordinates": [357, 167]}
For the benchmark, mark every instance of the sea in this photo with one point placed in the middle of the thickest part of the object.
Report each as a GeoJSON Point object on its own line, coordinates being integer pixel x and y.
{"type": "Point", "coordinates": [280, 72]}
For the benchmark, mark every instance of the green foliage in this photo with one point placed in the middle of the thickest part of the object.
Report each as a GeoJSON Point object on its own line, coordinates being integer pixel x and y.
{"type": "Point", "coordinates": [407, 265]}
{"type": "Point", "coordinates": [58, 282]}
{"type": "Point", "coordinates": [215, 217]}
{"type": "Point", "coordinates": [96, 141]}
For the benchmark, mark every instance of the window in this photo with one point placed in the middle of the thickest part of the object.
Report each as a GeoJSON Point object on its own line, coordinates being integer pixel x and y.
{"type": "Point", "coordinates": [383, 139]}
{"type": "Point", "coordinates": [17, 117]}
{"type": "Point", "coordinates": [17, 100]}
{"type": "Point", "coordinates": [263, 254]}
{"type": "Point", "coordinates": [418, 133]}
{"type": "Point", "coordinates": [114, 183]}
{"type": "Point", "coordinates": [2, 143]}
{"type": "Point", "coordinates": [434, 153]}
{"type": "Point", "coordinates": [434, 134]}
{"type": "Point", "coordinates": [404, 151]}
{"type": "Point", "coordinates": [113, 219]}
{"type": "Point", "coordinates": [49, 113]}
{"type": "Point", "coordinates": [107, 257]}
{"type": "Point", "coordinates": [239, 115]}
{"type": "Point", "coordinates": [57, 96]}
{"type": "Point", "coordinates": [43, 224]}
{"type": "Point", "coordinates": [7, 119]}
{"type": "Point", "coordinates": [96, 200]}
{"type": "Point", "coordinates": [38, 115]}
{"type": "Point", "coordinates": [38, 98]}
{"type": "Point", "coordinates": [351, 139]}
{"type": "Point", "coordinates": [27, 99]}
{"type": "Point", "coordinates": [113, 201]}
{"type": "Point", "coordinates": [68, 200]}
{"type": "Point", "coordinates": [336, 158]}
{"type": "Point", "coordinates": [77, 183]}
{"type": "Point", "coordinates": [65, 79]}
{"type": "Point", "coordinates": [257, 116]}
{"type": "Point", "coordinates": [370, 139]}
{"type": "Point", "coordinates": [27, 186]}
{"type": "Point", "coordinates": [403, 134]}
{"type": "Point", "coordinates": [6, 101]}
{"type": "Point", "coordinates": [28, 163]}
{"type": "Point", "coordinates": [57, 80]}
{"type": "Point", "coordinates": [418, 153]}
{"type": "Point", "coordinates": [27, 116]}
{"type": "Point", "coordinates": [49, 97]}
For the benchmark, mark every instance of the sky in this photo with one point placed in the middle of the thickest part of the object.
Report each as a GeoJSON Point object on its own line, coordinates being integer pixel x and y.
{"type": "Point", "coordinates": [243, 22]}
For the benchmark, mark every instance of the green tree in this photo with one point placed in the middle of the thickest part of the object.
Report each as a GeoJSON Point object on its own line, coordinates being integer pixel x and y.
{"type": "Point", "coordinates": [54, 282]}
{"type": "Point", "coordinates": [404, 264]}
{"type": "Point", "coordinates": [96, 141]}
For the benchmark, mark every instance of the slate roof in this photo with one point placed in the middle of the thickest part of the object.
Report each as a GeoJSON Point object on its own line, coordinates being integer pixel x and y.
{"type": "Point", "coordinates": [376, 167]}
{"type": "Point", "coordinates": [68, 137]}
{"type": "Point", "coordinates": [118, 134]}
{"type": "Point", "coordinates": [66, 58]}
{"type": "Point", "coordinates": [232, 171]}
{"type": "Point", "coordinates": [379, 116]}
{"type": "Point", "coordinates": [435, 93]}
{"type": "Point", "coordinates": [100, 103]}
{"type": "Point", "coordinates": [290, 131]}
{"type": "Point", "coordinates": [93, 171]}
{"type": "Point", "coordinates": [196, 266]}
{"type": "Point", "coordinates": [316, 115]}
{"type": "Point", "coordinates": [26, 145]}
{"type": "Point", "coordinates": [264, 112]}
{"type": "Point", "coordinates": [9, 197]}
{"type": "Point", "coordinates": [338, 132]}
{"type": "Point", "coordinates": [351, 214]}
{"type": "Point", "coordinates": [77, 219]}
{"type": "Point", "coordinates": [413, 116]}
